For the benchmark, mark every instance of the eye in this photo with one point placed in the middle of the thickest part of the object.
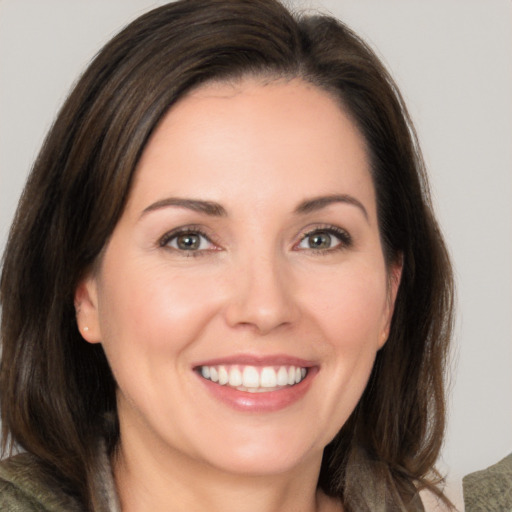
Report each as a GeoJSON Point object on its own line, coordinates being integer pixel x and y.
{"type": "Point", "coordinates": [325, 239]}
{"type": "Point", "coordinates": [188, 240]}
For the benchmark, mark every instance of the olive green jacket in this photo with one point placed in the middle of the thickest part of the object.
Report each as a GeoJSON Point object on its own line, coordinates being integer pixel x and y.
{"type": "Point", "coordinates": [489, 490]}
{"type": "Point", "coordinates": [26, 487]}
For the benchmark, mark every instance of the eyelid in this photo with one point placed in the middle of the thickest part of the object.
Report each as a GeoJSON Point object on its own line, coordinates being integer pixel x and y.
{"type": "Point", "coordinates": [164, 240]}
{"type": "Point", "coordinates": [344, 237]}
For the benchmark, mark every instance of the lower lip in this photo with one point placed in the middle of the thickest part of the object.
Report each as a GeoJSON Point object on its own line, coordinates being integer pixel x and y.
{"type": "Point", "coordinates": [269, 401]}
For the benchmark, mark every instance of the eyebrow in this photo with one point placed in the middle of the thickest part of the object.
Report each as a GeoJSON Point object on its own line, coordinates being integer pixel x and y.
{"type": "Point", "coordinates": [317, 203]}
{"type": "Point", "coordinates": [196, 205]}
{"type": "Point", "coordinates": [216, 210]}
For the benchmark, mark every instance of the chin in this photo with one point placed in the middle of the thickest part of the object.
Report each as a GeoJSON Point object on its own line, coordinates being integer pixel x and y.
{"type": "Point", "coordinates": [264, 453]}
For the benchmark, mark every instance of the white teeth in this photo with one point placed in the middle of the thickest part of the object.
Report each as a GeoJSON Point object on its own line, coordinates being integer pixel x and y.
{"type": "Point", "coordinates": [268, 377]}
{"type": "Point", "coordinates": [282, 376]}
{"type": "Point", "coordinates": [291, 376]}
{"type": "Point", "coordinates": [252, 378]}
{"type": "Point", "coordinates": [223, 376]}
{"type": "Point", "coordinates": [235, 377]}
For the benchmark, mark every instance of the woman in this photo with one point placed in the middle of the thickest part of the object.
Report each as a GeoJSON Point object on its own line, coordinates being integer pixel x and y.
{"type": "Point", "coordinates": [224, 286]}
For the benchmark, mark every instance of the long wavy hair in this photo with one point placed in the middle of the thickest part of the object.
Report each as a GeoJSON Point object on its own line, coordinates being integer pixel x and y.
{"type": "Point", "coordinates": [57, 389]}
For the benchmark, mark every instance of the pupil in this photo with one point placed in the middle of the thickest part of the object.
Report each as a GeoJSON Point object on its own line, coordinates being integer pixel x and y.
{"type": "Point", "coordinates": [188, 242]}
{"type": "Point", "coordinates": [320, 241]}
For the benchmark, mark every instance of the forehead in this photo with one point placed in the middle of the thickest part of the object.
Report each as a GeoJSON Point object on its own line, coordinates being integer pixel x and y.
{"type": "Point", "coordinates": [225, 139]}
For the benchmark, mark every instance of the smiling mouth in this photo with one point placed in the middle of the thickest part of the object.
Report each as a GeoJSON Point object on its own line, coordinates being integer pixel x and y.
{"type": "Point", "coordinates": [254, 379]}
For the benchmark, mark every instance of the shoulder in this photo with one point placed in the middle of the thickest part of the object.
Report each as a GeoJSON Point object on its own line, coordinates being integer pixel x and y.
{"type": "Point", "coordinates": [26, 487]}
{"type": "Point", "coordinates": [489, 489]}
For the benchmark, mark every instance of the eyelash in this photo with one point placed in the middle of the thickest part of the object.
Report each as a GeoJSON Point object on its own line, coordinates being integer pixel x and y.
{"type": "Point", "coordinates": [183, 231]}
{"type": "Point", "coordinates": [345, 240]}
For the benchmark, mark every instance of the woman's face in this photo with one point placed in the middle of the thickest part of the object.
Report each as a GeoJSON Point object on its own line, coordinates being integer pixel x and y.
{"type": "Point", "coordinates": [243, 295]}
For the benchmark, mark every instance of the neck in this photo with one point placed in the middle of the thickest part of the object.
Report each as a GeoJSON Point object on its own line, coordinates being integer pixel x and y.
{"type": "Point", "coordinates": [148, 480]}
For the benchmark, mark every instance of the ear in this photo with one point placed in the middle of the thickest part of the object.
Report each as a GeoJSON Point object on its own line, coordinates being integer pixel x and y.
{"type": "Point", "coordinates": [394, 278]}
{"type": "Point", "coordinates": [86, 307]}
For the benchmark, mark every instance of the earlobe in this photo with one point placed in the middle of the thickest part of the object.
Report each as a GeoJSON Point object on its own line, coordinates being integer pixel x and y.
{"type": "Point", "coordinates": [395, 276]}
{"type": "Point", "coordinates": [86, 307]}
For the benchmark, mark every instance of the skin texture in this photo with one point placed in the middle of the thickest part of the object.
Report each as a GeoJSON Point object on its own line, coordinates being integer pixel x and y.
{"type": "Point", "coordinates": [254, 287]}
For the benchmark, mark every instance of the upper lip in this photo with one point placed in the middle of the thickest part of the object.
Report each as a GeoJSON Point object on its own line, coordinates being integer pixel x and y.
{"type": "Point", "coordinates": [258, 360]}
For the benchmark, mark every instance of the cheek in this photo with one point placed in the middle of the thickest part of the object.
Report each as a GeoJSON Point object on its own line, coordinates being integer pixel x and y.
{"type": "Point", "coordinates": [351, 314]}
{"type": "Point", "coordinates": [150, 308]}
{"type": "Point", "coordinates": [352, 309]}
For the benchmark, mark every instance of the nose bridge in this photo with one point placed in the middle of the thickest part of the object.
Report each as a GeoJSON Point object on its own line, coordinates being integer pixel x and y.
{"type": "Point", "coordinates": [262, 291]}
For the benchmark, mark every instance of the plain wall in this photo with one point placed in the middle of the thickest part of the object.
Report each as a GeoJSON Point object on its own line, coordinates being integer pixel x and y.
{"type": "Point", "coordinates": [453, 62]}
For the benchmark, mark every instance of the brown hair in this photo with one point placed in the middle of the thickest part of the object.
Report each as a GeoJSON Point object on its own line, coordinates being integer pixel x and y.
{"type": "Point", "coordinates": [56, 389]}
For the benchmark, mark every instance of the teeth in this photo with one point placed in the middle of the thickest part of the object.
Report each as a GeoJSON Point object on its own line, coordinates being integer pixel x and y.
{"type": "Point", "coordinates": [268, 377]}
{"type": "Point", "coordinates": [235, 377]}
{"type": "Point", "coordinates": [282, 376]}
{"type": "Point", "coordinates": [252, 378]}
{"type": "Point", "coordinates": [291, 376]}
{"type": "Point", "coordinates": [223, 376]}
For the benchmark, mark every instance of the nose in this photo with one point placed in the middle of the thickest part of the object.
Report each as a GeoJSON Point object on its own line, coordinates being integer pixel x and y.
{"type": "Point", "coordinates": [262, 295]}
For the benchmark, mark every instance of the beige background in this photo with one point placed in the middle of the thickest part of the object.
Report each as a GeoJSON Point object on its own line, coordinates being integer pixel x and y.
{"type": "Point", "coordinates": [453, 61]}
